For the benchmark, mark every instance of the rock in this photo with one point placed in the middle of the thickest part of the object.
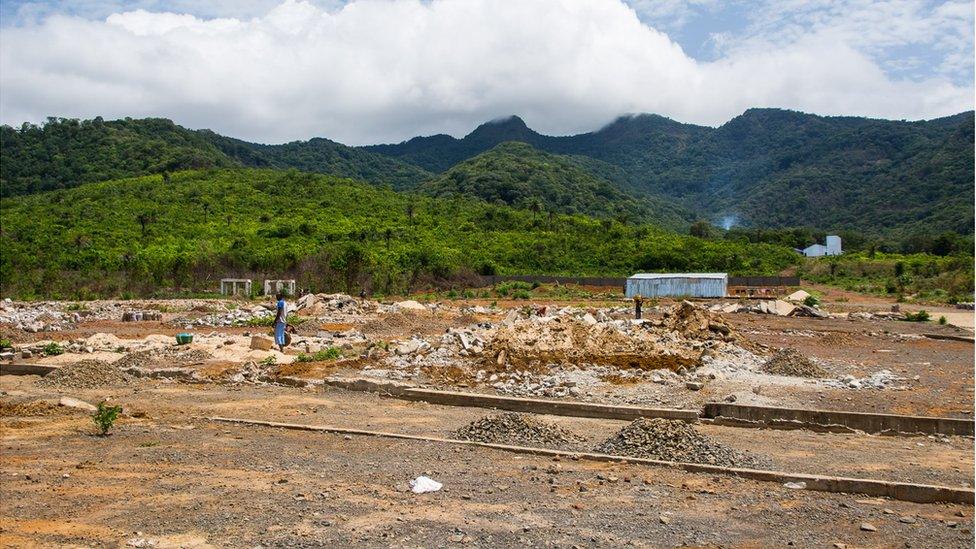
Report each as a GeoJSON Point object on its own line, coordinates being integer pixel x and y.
{"type": "Point", "coordinates": [261, 343]}
{"type": "Point", "coordinates": [798, 295]}
{"type": "Point", "coordinates": [75, 403]}
{"type": "Point", "coordinates": [26, 353]}
{"type": "Point", "coordinates": [7, 355]}
{"type": "Point", "coordinates": [694, 385]}
{"type": "Point", "coordinates": [868, 527]}
{"type": "Point", "coordinates": [729, 398]}
{"type": "Point", "coordinates": [906, 520]}
{"type": "Point", "coordinates": [410, 305]}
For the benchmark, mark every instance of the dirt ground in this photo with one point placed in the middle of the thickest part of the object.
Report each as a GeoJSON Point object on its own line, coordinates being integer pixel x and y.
{"type": "Point", "coordinates": [169, 477]}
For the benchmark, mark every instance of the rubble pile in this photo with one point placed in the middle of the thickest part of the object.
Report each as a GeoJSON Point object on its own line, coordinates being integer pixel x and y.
{"type": "Point", "coordinates": [164, 357]}
{"type": "Point", "coordinates": [777, 307]}
{"type": "Point", "coordinates": [674, 440]}
{"type": "Point", "coordinates": [882, 379]}
{"type": "Point", "coordinates": [85, 374]}
{"type": "Point", "coordinates": [321, 304]}
{"type": "Point", "coordinates": [37, 317]}
{"type": "Point", "coordinates": [790, 362]}
{"type": "Point", "coordinates": [695, 322]}
{"type": "Point", "coordinates": [518, 430]}
{"type": "Point", "coordinates": [566, 339]}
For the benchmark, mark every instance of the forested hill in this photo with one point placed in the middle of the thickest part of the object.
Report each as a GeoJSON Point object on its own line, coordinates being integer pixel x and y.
{"type": "Point", "coordinates": [135, 236]}
{"type": "Point", "coordinates": [518, 175]}
{"type": "Point", "coordinates": [768, 167]}
{"type": "Point", "coordinates": [64, 153]}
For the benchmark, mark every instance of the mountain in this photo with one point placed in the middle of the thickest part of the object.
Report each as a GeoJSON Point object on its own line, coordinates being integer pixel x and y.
{"type": "Point", "coordinates": [144, 235]}
{"type": "Point", "coordinates": [65, 152]}
{"type": "Point", "coordinates": [767, 167]}
{"type": "Point", "coordinates": [516, 174]}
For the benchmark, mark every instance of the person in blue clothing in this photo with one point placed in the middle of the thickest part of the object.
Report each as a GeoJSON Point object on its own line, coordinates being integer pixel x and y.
{"type": "Point", "coordinates": [281, 321]}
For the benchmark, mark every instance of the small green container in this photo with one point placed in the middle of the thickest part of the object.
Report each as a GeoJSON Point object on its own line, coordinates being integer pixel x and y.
{"type": "Point", "coordinates": [183, 339]}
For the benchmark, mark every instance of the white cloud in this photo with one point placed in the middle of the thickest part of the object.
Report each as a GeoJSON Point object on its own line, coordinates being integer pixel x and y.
{"type": "Point", "coordinates": [380, 70]}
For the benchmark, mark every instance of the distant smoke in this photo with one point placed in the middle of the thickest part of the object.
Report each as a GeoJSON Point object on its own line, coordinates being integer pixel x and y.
{"type": "Point", "coordinates": [729, 221]}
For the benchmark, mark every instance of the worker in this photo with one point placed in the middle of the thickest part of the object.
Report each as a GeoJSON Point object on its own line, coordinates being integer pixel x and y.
{"type": "Point", "coordinates": [281, 321]}
{"type": "Point", "coordinates": [638, 301]}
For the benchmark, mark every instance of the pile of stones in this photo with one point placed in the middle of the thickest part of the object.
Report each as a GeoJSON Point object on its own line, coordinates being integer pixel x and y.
{"type": "Point", "coordinates": [789, 362]}
{"type": "Point", "coordinates": [164, 357]}
{"type": "Point", "coordinates": [519, 430]}
{"type": "Point", "coordinates": [85, 374]}
{"type": "Point", "coordinates": [674, 440]}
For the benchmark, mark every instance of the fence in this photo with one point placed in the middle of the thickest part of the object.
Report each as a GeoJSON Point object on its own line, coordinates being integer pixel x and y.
{"type": "Point", "coordinates": [758, 281]}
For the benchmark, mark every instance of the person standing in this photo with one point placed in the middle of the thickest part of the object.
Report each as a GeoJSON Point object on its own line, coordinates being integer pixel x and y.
{"type": "Point", "coordinates": [280, 321]}
{"type": "Point", "coordinates": [638, 301]}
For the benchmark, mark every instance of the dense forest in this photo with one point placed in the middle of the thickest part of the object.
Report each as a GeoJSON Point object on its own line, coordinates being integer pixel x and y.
{"type": "Point", "coordinates": [895, 184]}
{"type": "Point", "coordinates": [517, 175]}
{"type": "Point", "coordinates": [140, 235]}
{"type": "Point", "coordinates": [769, 168]}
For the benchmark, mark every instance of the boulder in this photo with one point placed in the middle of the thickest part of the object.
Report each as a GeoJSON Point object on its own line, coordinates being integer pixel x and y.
{"type": "Point", "coordinates": [261, 343]}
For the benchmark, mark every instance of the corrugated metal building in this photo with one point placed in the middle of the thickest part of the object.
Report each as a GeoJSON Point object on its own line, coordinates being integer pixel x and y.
{"type": "Point", "coordinates": [678, 285]}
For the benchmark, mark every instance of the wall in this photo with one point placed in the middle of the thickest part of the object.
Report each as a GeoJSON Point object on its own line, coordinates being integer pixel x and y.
{"type": "Point", "coordinates": [677, 287]}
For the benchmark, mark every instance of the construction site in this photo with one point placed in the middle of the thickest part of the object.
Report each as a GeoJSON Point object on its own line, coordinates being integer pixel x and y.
{"type": "Point", "coordinates": [714, 421]}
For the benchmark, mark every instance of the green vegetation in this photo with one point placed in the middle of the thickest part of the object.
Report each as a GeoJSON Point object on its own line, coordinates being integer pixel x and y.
{"type": "Point", "coordinates": [331, 353]}
{"type": "Point", "coordinates": [64, 153]}
{"type": "Point", "coordinates": [811, 301]}
{"type": "Point", "coordinates": [268, 320]}
{"type": "Point", "coordinates": [918, 277]}
{"type": "Point", "coordinates": [6, 344]}
{"type": "Point", "coordinates": [52, 349]}
{"type": "Point", "coordinates": [943, 321]}
{"type": "Point", "coordinates": [769, 167]}
{"type": "Point", "coordinates": [145, 237]}
{"type": "Point", "coordinates": [104, 417]}
{"type": "Point", "coordinates": [921, 316]}
{"type": "Point", "coordinates": [269, 361]}
{"type": "Point", "coordinates": [515, 174]}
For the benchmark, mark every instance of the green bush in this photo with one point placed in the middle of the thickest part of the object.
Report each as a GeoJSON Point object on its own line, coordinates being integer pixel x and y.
{"type": "Point", "coordinates": [811, 301]}
{"type": "Point", "coordinates": [331, 353]}
{"type": "Point", "coordinates": [52, 349]}
{"type": "Point", "coordinates": [269, 361]}
{"type": "Point", "coordinates": [105, 416]}
{"type": "Point", "coordinates": [521, 294]}
{"type": "Point", "coordinates": [6, 344]}
{"type": "Point", "coordinates": [943, 320]}
{"type": "Point", "coordinates": [921, 316]}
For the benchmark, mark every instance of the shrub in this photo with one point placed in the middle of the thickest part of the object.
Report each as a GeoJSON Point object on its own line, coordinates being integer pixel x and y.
{"type": "Point", "coordinates": [521, 294]}
{"type": "Point", "coordinates": [943, 320]}
{"type": "Point", "coordinates": [105, 416]}
{"type": "Point", "coordinates": [811, 301]}
{"type": "Point", "coordinates": [331, 353]}
{"type": "Point", "coordinates": [52, 349]}
{"type": "Point", "coordinates": [921, 316]}
{"type": "Point", "coordinates": [6, 344]}
{"type": "Point", "coordinates": [270, 361]}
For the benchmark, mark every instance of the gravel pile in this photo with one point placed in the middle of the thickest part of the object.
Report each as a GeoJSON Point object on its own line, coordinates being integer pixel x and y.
{"type": "Point", "coordinates": [166, 357]}
{"type": "Point", "coordinates": [86, 374]}
{"type": "Point", "coordinates": [673, 440]}
{"type": "Point", "coordinates": [517, 429]}
{"type": "Point", "coordinates": [789, 362]}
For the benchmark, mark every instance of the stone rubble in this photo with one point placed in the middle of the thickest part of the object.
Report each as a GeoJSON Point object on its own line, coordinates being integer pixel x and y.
{"type": "Point", "coordinates": [85, 374]}
{"type": "Point", "coordinates": [790, 362]}
{"type": "Point", "coordinates": [674, 440]}
{"type": "Point", "coordinates": [519, 430]}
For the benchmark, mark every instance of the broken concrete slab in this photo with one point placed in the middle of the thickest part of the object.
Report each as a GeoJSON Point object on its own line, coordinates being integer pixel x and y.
{"type": "Point", "coordinates": [70, 402]}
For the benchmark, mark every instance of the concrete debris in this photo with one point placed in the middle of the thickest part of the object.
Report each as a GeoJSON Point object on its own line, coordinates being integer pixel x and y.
{"type": "Point", "coordinates": [882, 379]}
{"type": "Point", "coordinates": [673, 440]}
{"type": "Point", "coordinates": [410, 306]}
{"type": "Point", "coordinates": [331, 304]}
{"type": "Point", "coordinates": [70, 402]}
{"type": "Point", "coordinates": [789, 362]}
{"type": "Point", "coordinates": [422, 485]}
{"type": "Point", "coordinates": [139, 316]}
{"type": "Point", "coordinates": [519, 430]}
{"type": "Point", "coordinates": [798, 295]}
{"type": "Point", "coordinates": [85, 374]}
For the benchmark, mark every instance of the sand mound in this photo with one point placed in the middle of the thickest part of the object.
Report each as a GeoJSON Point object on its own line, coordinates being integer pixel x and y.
{"type": "Point", "coordinates": [672, 440]}
{"type": "Point", "coordinates": [695, 322]}
{"type": "Point", "coordinates": [86, 374]}
{"type": "Point", "coordinates": [789, 362]}
{"type": "Point", "coordinates": [519, 430]}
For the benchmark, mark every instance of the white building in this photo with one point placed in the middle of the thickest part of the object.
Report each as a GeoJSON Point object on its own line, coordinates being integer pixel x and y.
{"type": "Point", "coordinates": [833, 247]}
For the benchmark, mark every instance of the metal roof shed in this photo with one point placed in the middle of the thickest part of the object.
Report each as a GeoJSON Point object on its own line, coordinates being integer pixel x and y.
{"type": "Point", "coordinates": [678, 285]}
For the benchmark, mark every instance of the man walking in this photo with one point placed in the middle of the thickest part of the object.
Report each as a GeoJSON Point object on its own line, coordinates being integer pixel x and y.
{"type": "Point", "coordinates": [280, 321]}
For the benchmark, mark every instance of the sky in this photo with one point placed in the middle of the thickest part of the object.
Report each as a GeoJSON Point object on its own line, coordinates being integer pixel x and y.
{"type": "Point", "coordinates": [375, 71]}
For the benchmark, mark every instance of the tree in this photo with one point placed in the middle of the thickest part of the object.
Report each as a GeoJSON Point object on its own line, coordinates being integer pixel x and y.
{"type": "Point", "coordinates": [701, 229]}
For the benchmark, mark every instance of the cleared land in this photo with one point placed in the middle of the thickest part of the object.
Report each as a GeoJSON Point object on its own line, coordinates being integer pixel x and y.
{"type": "Point", "coordinates": [169, 476]}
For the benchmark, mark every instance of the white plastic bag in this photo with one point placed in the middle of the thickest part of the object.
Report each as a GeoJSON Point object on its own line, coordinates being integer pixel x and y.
{"type": "Point", "coordinates": [422, 485]}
